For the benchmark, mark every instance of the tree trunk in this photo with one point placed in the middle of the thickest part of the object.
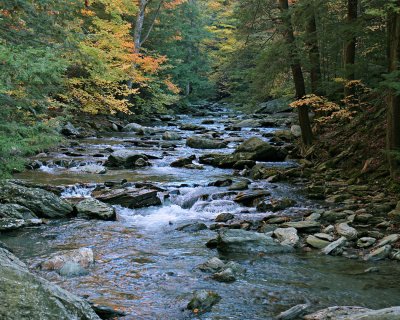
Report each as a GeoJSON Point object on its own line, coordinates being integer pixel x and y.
{"type": "Point", "coordinates": [137, 36]}
{"type": "Point", "coordinates": [313, 53]}
{"type": "Point", "coordinates": [297, 72]}
{"type": "Point", "coordinates": [393, 112]}
{"type": "Point", "coordinates": [350, 48]}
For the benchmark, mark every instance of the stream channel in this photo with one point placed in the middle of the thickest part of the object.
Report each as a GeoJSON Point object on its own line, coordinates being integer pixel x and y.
{"type": "Point", "coordinates": [148, 269]}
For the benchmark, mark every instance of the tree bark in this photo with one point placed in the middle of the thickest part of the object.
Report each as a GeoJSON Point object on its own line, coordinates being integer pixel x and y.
{"type": "Point", "coordinates": [393, 111]}
{"type": "Point", "coordinates": [297, 72]}
{"type": "Point", "coordinates": [137, 35]}
{"type": "Point", "coordinates": [350, 48]}
{"type": "Point", "coordinates": [313, 53]}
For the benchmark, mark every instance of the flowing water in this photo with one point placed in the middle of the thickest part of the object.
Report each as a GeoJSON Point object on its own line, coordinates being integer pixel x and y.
{"type": "Point", "coordinates": [148, 269]}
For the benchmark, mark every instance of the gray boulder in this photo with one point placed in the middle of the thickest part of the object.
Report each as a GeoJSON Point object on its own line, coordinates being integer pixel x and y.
{"type": "Point", "coordinates": [129, 197]}
{"type": "Point", "coordinates": [242, 241]}
{"type": "Point", "coordinates": [197, 142]}
{"type": "Point", "coordinates": [42, 203]}
{"type": "Point", "coordinates": [275, 106]}
{"type": "Point", "coordinates": [27, 296]}
{"type": "Point", "coordinates": [69, 130]}
{"type": "Point", "coordinates": [82, 256]}
{"type": "Point", "coordinates": [93, 209]}
{"type": "Point", "coordinates": [127, 159]}
{"type": "Point", "coordinates": [15, 211]}
{"type": "Point", "coordinates": [260, 150]}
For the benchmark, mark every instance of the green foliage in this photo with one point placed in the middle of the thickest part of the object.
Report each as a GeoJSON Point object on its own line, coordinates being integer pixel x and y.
{"type": "Point", "coordinates": [18, 141]}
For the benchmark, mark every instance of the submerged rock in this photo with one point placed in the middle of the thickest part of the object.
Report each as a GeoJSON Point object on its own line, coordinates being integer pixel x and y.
{"type": "Point", "coordinates": [72, 269]}
{"type": "Point", "coordinates": [93, 209]}
{"type": "Point", "coordinates": [203, 301]}
{"type": "Point", "coordinates": [192, 227]}
{"type": "Point", "coordinates": [83, 256]}
{"type": "Point", "coordinates": [42, 203]}
{"type": "Point", "coordinates": [27, 296]}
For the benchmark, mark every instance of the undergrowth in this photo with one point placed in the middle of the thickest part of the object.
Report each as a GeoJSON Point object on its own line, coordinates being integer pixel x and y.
{"type": "Point", "coordinates": [18, 141]}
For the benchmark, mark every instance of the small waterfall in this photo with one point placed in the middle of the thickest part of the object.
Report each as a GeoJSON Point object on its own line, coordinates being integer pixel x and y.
{"type": "Point", "coordinates": [78, 191]}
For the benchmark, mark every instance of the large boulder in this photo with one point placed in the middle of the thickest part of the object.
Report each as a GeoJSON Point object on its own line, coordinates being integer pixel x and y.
{"type": "Point", "coordinates": [129, 197]}
{"type": "Point", "coordinates": [127, 159]}
{"type": "Point", "coordinates": [27, 296]}
{"type": "Point", "coordinates": [260, 150]}
{"type": "Point", "coordinates": [42, 203]}
{"type": "Point", "coordinates": [242, 241]}
{"type": "Point", "coordinates": [12, 210]}
{"type": "Point", "coordinates": [94, 209]}
{"type": "Point", "coordinates": [197, 142]}
{"type": "Point", "coordinates": [275, 106]}
{"type": "Point", "coordinates": [69, 130]}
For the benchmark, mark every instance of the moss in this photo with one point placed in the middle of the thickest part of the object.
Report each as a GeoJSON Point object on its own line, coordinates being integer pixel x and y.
{"type": "Point", "coordinates": [19, 141]}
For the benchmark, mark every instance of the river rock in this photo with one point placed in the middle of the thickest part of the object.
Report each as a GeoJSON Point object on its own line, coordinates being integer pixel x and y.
{"type": "Point", "coordinates": [212, 265]}
{"type": "Point", "coordinates": [365, 242]}
{"type": "Point", "coordinates": [224, 217]}
{"type": "Point", "coordinates": [93, 209]}
{"type": "Point", "coordinates": [11, 224]}
{"type": "Point", "coordinates": [126, 159]}
{"type": "Point", "coordinates": [243, 164]}
{"type": "Point", "coordinates": [248, 197]}
{"type": "Point", "coordinates": [242, 241]}
{"type": "Point", "coordinates": [390, 239]}
{"type": "Point", "coordinates": [182, 162]}
{"type": "Point", "coordinates": [203, 301]}
{"type": "Point", "coordinates": [190, 127]}
{"type": "Point", "coordinates": [294, 312]}
{"type": "Point", "coordinates": [92, 169]}
{"type": "Point", "coordinates": [171, 136]}
{"type": "Point", "coordinates": [260, 150]}
{"type": "Point", "coordinates": [27, 296]}
{"type": "Point", "coordinates": [316, 242]}
{"type": "Point", "coordinates": [82, 256]}
{"type": "Point", "coordinates": [324, 236]}
{"type": "Point", "coordinates": [275, 205]}
{"type": "Point", "coordinates": [133, 127]}
{"type": "Point", "coordinates": [380, 253]}
{"type": "Point", "coordinates": [196, 142]}
{"type": "Point", "coordinates": [192, 227]}
{"type": "Point", "coordinates": [72, 269]}
{"type": "Point", "coordinates": [129, 197]}
{"type": "Point", "coordinates": [333, 216]}
{"type": "Point", "coordinates": [304, 226]}
{"type": "Point", "coordinates": [334, 247]}
{"type": "Point", "coordinates": [344, 230]}
{"type": "Point", "coordinates": [42, 203]}
{"type": "Point", "coordinates": [240, 185]}
{"type": "Point", "coordinates": [287, 236]}
{"type": "Point", "coordinates": [225, 275]}
{"type": "Point", "coordinates": [355, 313]}
{"type": "Point", "coordinates": [15, 211]}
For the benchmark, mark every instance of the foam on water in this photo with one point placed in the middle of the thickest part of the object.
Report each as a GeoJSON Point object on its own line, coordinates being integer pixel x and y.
{"type": "Point", "coordinates": [77, 191]}
{"type": "Point", "coordinates": [49, 169]}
